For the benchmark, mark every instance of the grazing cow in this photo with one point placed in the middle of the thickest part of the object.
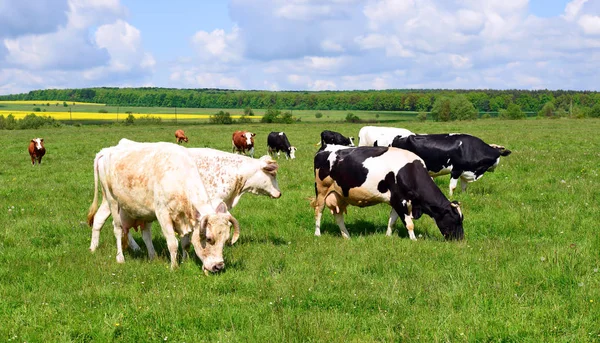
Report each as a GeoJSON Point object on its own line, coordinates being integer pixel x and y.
{"type": "Point", "coordinates": [226, 177]}
{"type": "Point", "coordinates": [380, 136]}
{"type": "Point", "coordinates": [36, 150]}
{"type": "Point", "coordinates": [278, 141]}
{"type": "Point", "coordinates": [367, 176]}
{"type": "Point", "coordinates": [462, 156]}
{"type": "Point", "coordinates": [180, 136]}
{"type": "Point", "coordinates": [140, 187]}
{"type": "Point", "coordinates": [335, 138]}
{"type": "Point", "coordinates": [242, 141]}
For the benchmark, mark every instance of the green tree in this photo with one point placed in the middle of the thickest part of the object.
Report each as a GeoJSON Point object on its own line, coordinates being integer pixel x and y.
{"type": "Point", "coordinates": [462, 109]}
{"type": "Point", "coordinates": [221, 118]}
{"type": "Point", "coordinates": [594, 112]}
{"type": "Point", "coordinates": [513, 111]}
{"type": "Point", "coordinates": [547, 111]}
{"type": "Point", "coordinates": [441, 109]}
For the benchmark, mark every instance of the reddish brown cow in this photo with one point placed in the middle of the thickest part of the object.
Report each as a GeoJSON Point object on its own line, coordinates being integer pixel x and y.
{"type": "Point", "coordinates": [36, 150]}
{"type": "Point", "coordinates": [242, 141]}
{"type": "Point", "coordinates": [180, 136]}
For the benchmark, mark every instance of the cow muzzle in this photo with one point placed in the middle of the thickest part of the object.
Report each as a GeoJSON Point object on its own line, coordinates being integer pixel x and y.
{"type": "Point", "coordinates": [214, 268]}
{"type": "Point", "coordinates": [276, 195]}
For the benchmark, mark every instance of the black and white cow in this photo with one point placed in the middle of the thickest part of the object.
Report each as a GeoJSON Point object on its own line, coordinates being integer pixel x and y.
{"type": "Point", "coordinates": [278, 141]}
{"type": "Point", "coordinates": [336, 138]}
{"type": "Point", "coordinates": [460, 155]}
{"type": "Point", "coordinates": [367, 176]}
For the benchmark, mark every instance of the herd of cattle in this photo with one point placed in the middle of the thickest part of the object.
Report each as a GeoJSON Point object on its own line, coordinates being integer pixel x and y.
{"type": "Point", "coordinates": [191, 196]}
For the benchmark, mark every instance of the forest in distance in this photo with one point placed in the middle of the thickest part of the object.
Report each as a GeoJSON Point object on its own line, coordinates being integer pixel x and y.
{"type": "Point", "coordinates": [365, 100]}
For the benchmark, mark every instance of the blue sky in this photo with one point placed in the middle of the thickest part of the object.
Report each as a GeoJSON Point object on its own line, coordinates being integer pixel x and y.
{"type": "Point", "coordinates": [300, 44]}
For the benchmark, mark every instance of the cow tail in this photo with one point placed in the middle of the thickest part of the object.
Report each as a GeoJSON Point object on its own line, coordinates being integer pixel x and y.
{"type": "Point", "coordinates": [94, 206]}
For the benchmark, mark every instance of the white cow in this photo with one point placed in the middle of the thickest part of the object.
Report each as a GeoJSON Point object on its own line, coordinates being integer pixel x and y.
{"type": "Point", "coordinates": [380, 135]}
{"type": "Point", "coordinates": [226, 177]}
{"type": "Point", "coordinates": [159, 181]}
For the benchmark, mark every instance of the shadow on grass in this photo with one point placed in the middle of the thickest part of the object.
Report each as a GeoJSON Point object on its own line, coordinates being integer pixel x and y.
{"type": "Point", "coordinates": [267, 239]}
{"type": "Point", "coordinates": [367, 228]}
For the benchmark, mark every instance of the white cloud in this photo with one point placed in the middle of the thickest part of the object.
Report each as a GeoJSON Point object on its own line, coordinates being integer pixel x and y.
{"type": "Point", "coordinates": [590, 24]}
{"type": "Point", "coordinates": [573, 8]}
{"type": "Point", "coordinates": [226, 47]}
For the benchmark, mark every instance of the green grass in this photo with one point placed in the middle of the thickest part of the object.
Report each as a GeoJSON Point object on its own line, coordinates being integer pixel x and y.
{"type": "Point", "coordinates": [526, 272]}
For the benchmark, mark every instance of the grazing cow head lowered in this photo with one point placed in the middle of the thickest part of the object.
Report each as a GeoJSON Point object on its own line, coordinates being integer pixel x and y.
{"type": "Point", "coordinates": [367, 176]}
{"type": "Point", "coordinates": [210, 236]}
{"type": "Point", "coordinates": [180, 136]}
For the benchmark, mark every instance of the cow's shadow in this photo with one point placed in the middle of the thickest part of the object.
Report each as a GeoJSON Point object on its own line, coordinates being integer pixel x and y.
{"type": "Point", "coordinates": [367, 228]}
{"type": "Point", "coordinates": [162, 251]}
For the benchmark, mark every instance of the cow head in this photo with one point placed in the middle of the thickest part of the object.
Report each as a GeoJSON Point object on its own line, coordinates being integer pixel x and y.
{"type": "Point", "coordinates": [292, 152]}
{"type": "Point", "coordinates": [210, 235]}
{"type": "Point", "coordinates": [450, 222]}
{"type": "Point", "coordinates": [249, 138]}
{"type": "Point", "coordinates": [501, 149]}
{"type": "Point", "coordinates": [351, 139]}
{"type": "Point", "coordinates": [264, 181]}
{"type": "Point", "coordinates": [38, 142]}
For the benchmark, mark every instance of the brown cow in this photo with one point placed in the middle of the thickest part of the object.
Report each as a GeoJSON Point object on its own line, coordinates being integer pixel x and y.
{"type": "Point", "coordinates": [242, 141]}
{"type": "Point", "coordinates": [36, 150]}
{"type": "Point", "coordinates": [180, 136]}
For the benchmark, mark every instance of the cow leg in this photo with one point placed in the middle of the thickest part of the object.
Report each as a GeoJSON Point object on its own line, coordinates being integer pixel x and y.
{"type": "Point", "coordinates": [463, 184]}
{"type": "Point", "coordinates": [99, 219]}
{"type": "Point", "coordinates": [40, 160]}
{"type": "Point", "coordinates": [167, 229]}
{"type": "Point", "coordinates": [147, 237]}
{"type": "Point", "coordinates": [32, 160]}
{"type": "Point", "coordinates": [118, 231]}
{"type": "Point", "coordinates": [391, 222]}
{"type": "Point", "coordinates": [339, 219]}
{"type": "Point", "coordinates": [410, 226]}
{"type": "Point", "coordinates": [319, 205]}
{"type": "Point", "coordinates": [454, 176]}
{"type": "Point", "coordinates": [252, 152]}
{"type": "Point", "coordinates": [185, 245]}
{"type": "Point", "coordinates": [132, 243]}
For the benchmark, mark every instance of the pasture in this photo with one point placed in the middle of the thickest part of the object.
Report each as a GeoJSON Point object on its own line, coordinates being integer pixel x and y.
{"type": "Point", "coordinates": [527, 271]}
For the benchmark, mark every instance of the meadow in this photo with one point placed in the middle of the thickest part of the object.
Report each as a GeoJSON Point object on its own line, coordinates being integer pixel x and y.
{"type": "Point", "coordinates": [83, 112]}
{"type": "Point", "coordinates": [527, 271]}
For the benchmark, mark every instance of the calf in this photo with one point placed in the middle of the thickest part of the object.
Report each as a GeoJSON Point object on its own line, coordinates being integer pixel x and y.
{"type": "Point", "coordinates": [226, 177]}
{"type": "Point", "coordinates": [367, 176]}
{"type": "Point", "coordinates": [336, 138]}
{"type": "Point", "coordinates": [139, 187]}
{"type": "Point", "coordinates": [380, 136]}
{"type": "Point", "coordinates": [242, 141]}
{"type": "Point", "coordinates": [180, 136]}
{"type": "Point", "coordinates": [36, 150]}
{"type": "Point", "coordinates": [278, 141]}
{"type": "Point", "coordinates": [462, 156]}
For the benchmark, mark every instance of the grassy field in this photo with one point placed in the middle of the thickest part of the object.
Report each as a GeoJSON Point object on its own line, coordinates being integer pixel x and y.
{"type": "Point", "coordinates": [85, 111]}
{"type": "Point", "coordinates": [527, 270]}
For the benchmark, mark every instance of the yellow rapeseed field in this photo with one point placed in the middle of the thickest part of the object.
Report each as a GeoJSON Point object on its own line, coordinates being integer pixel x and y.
{"type": "Point", "coordinates": [107, 116]}
{"type": "Point", "coordinates": [42, 102]}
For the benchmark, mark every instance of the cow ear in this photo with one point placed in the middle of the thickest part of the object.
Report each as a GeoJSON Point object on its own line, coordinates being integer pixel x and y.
{"type": "Point", "coordinates": [42, 140]}
{"type": "Point", "coordinates": [33, 140]}
{"type": "Point", "coordinates": [254, 134]}
{"type": "Point", "coordinates": [222, 208]}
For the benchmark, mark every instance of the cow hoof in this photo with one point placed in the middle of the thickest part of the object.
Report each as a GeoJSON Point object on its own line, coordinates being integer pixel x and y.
{"type": "Point", "coordinates": [120, 259]}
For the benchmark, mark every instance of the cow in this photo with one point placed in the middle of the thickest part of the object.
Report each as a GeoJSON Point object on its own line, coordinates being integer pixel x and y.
{"type": "Point", "coordinates": [380, 136]}
{"type": "Point", "coordinates": [159, 181]}
{"type": "Point", "coordinates": [336, 138]}
{"type": "Point", "coordinates": [242, 141]}
{"type": "Point", "coordinates": [367, 176]}
{"type": "Point", "coordinates": [226, 177]}
{"type": "Point", "coordinates": [278, 141]}
{"type": "Point", "coordinates": [180, 136]}
{"type": "Point", "coordinates": [36, 150]}
{"type": "Point", "coordinates": [463, 156]}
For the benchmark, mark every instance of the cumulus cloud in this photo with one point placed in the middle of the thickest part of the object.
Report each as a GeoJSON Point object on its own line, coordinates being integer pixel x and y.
{"type": "Point", "coordinates": [87, 43]}
{"type": "Point", "coordinates": [225, 47]}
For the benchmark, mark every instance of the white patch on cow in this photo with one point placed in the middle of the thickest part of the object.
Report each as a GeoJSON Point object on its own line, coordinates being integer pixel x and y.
{"type": "Point", "coordinates": [453, 134]}
{"type": "Point", "coordinates": [281, 133]}
{"type": "Point", "coordinates": [384, 136]}
{"type": "Point", "coordinates": [351, 141]}
{"type": "Point", "coordinates": [38, 143]}
{"type": "Point", "coordinates": [459, 143]}
{"type": "Point", "coordinates": [248, 136]}
{"type": "Point", "coordinates": [493, 167]}
{"type": "Point", "coordinates": [453, 183]}
{"type": "Point", "coordinates": [444, 171]}
{"type": "Point", "coordinates": [470, 176]}
{"type": "Point", "coordinates": [292, 152]}
{"type": "Point", "coordinates": [448, 161]}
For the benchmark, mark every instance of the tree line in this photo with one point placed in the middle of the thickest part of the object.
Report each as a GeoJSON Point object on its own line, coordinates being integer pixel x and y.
{"type": "Point", "coordinates": [365, 100]}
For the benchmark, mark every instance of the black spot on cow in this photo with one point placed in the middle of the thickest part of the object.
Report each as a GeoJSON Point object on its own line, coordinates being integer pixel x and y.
{"type": "Point", "coordinates": [358, 173]}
